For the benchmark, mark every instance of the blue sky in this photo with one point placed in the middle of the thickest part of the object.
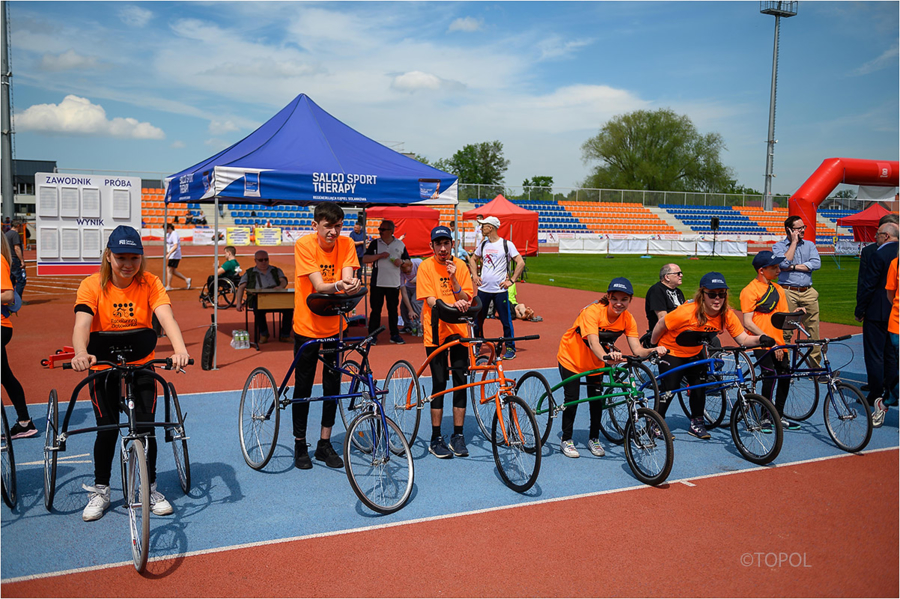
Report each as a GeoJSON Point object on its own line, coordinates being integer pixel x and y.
{"type": "Point", "coordinates": [159, 86]}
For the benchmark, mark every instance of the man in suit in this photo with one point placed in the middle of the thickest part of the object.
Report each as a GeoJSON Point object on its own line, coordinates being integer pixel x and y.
{"type": "Point", "coordinates": [874, 310]}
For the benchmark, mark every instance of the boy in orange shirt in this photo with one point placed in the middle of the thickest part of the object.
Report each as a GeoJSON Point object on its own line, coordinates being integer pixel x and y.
{"type": "Point", "coordinates": [759, 300]}
{"type": "Point", "coordinates": [324, 262]}
{"type": "Point", "coordinates": [446, 278]}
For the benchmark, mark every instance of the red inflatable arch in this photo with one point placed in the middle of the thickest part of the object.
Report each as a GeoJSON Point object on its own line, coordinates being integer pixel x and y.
{"type": "Point", "coordinates": [831, 172]}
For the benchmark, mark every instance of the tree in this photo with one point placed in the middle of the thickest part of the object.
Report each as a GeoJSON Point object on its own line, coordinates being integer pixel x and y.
{"type": "Point", "coordinates": [478, 163]}
{"type": "Point", "coordinates": [656, 150]}
{"type": "Point", "coordinates": [538, 181]}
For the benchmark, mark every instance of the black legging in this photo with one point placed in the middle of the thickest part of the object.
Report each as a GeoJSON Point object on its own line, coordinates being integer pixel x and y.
{"type": "Point", "coordinates": [693, 376]}
{"type": "Point", "coordinates": [105, 391]}
{"type": "Point", "coordinates": [11, 383]}
{"type": "Point", "coordinates": [440, 373]}
{"type": "Point", "coordinates": [378, 297]}
{"type": "Point", "coordinates": [304, 377]}
{"type": "Point", "coordinates": [770, 367]}
{"type": "Point", "coordinates": [572, 392]}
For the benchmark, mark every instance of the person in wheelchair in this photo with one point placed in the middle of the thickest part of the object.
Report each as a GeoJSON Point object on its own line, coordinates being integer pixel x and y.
{"type": "Point", "coordinates": [122, 296]}
{"type": "Point", "coordinates": [581, 350]}
{"type": "Point", "coordinates": [709, 314]}
{"type": "Point", "coordinates": [230, 269]}
{"type": "Point", "coordinates": [264, 276]}
{"type": "Point", "coordinates": [446, 278]}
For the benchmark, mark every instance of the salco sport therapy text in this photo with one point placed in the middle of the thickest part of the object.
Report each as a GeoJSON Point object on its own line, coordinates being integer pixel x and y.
{"type": "Point", "coordinates": [340, 183]}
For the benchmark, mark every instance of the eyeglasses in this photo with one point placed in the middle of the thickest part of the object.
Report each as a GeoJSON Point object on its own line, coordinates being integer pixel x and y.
{"type": "Point", "coordinates": [716, 294]}
{"type": "Point", "coordinates": [803, 228]}
{"type": "Point", "coordinates": [677, 274]}
{"type": "Point", "coordinates": [882, 234]}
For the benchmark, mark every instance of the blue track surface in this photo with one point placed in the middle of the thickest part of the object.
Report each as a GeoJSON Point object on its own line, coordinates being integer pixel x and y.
{"type": "Point", "coordinates": [230, 504]}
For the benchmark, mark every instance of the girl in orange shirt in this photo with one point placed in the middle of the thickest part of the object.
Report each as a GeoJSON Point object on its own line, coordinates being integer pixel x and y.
{"type": "Point", "coordinates": [122, 296]}
{"type": "Point", "coordinates": [24, 427]}
{"type": "Point", "coordinates": [707, 313]}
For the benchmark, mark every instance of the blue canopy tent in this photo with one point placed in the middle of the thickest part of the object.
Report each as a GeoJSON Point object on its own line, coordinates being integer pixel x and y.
{"type": "Point", "coordinates": [304, 156]}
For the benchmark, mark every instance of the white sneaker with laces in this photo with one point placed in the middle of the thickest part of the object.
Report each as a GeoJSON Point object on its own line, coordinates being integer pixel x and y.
{"type": "Point", "coordinates": [568, 449]}
{"type": "Point", "coordinates": [158, 503]}
{"type": "Point", "coordinates": [97, 502]}
{"type": "Point", "coordinates": [879, 413]}
{"type": "Point", "coordinates": [596, 448]}
{"type": "Point", "coordinates": [189, 283]}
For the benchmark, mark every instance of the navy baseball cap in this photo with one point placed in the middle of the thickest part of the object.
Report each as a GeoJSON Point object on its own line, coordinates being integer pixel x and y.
{"type": "Point", "coordinates": [125, 240]}
{"type": "Point", "coordinates": [765, 258]}
{"type": "Point", "coordinates": [441, 233]}
{"type": "Point", "coordinates": [713, 280]}
{"type": "Point", "coordinates": [620, 284]}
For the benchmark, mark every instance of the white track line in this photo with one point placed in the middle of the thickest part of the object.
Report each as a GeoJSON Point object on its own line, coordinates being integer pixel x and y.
{"type": "Point", "coordinates": [335, 533]}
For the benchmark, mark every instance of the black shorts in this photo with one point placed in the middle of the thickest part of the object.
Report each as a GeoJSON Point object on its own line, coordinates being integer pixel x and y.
{"type": "Point", "coordinates": [174, 263]}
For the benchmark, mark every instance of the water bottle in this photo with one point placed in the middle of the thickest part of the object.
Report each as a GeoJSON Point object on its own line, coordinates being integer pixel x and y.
{"type": "Point", "coordinates": [245, 340]}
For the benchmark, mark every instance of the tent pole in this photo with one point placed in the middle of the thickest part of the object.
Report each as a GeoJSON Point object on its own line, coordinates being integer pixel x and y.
{"type": "Point", "coordinates": [215, 365]}
{"type": "Point", "coordinates": [165, 246]}
{"type": "Point", "coordinates": [362, 273]}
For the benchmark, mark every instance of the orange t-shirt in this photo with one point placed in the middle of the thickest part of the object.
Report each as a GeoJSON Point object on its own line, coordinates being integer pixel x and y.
{"type": "Point", "coordinates": [893, 284]}
{"type": "Point", "coordinates": [122, 309]}
{"type": "Point", "coordinates": [574, 353]}
{"type": "Point", "coordinates": [433, 281]}
{"type": "Point", "coordinates": [750, 297]}
{"type": "Point", "coordinates": [309, 257]}
{"type": "Point", "coordinates": [683, 318]}
{"type": "Point", "coordinates": [5, 285]}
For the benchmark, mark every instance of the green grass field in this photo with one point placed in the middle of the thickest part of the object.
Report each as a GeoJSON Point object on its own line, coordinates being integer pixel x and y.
{"type": "Point", "coordinates": [836, 287]}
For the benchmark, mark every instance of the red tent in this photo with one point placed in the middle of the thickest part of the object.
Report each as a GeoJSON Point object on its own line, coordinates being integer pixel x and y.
{"type": "Point", "coordinates": [415, 222]}
{"type": "Point", "coordinates": [865, 223]}
{"type": "Point", "coordinates": [516, 224]}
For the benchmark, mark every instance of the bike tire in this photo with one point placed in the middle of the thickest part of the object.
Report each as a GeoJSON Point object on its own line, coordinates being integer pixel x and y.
{"type": "Point", "coordinates": [227, 293]}
{"type": "Point", "coordinates": [649, 456]}
{"type": "Point", "coordinates": [382, 477]}
{"type": "Point", "coordinates": [803, 396]}
{"type": "Point", "coordinates": [534, 389]}
{"type": "Point", "coordinates": [714, 407]}
{"type": "Point", "coordinates": [259, 418]}
{"type": "Point", "coordinates": [9, 466]}
{"type": "Point", "coordinates": [179, 445]}
{"type": "Point", "coordinates": [349, 386]}
{"type": "Point", "coordinates": [518, 456]}
{"type": "Point", "coordinates": [614, 418]}
{"type": "Point", "coordinates": [403, 400]}
{"type": "Point", "coordinates": [136, 482]}
{"type": "Point", "coordinates": [847, 417]}
{"type": "Point", "coordinates": [482, 396]}
{"type": "Point", "coordinates": [51, 449]}
{"type": "Point", "coordinates": [748, 433]}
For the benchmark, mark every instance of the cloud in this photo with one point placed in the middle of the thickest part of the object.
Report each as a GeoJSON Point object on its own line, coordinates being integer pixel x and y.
{"type": "Point", "coordinates": [222, 127]}
{"type": "Point", "coordinates": [67, 61]}
{"type": "Point", "coordinates": [467, 24]}
{"type": "Point", "coordinates": [218, 144]}
{"type": "Point", "coordinates": [556, 47]}
{"type": "Point", "coordinates": [177, 144]}
{"type": "Point", "coordinates": [417, 81]}
{"type": "Point", "coordinates": [135, 16]}
{"type": "Point", "coordinates": [887, 59]}
{"type": "Point", "coordinates": [78, 116]}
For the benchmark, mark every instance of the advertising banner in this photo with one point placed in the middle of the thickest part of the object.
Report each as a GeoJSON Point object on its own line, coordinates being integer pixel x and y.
{"type": "Point", "coordinates": [237, 236]}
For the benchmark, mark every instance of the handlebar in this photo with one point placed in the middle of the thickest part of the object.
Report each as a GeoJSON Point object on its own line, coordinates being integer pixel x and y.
{"type": "Point", "coordinates": [500, 339]}
{"type": "Point", "coordinates": [354, 346]}
{"type": "Point", "coordinates": [166, 363]}
{"type": "Point", "coordinates": [822, 341]}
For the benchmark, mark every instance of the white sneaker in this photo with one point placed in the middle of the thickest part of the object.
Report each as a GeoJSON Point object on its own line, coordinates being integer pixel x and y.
{"type": "Point", "coordinates": [596, 448]}
{"type": "Point", "coordinates": [158, 503]}
{"type": "Point", "coordinates": [97, 502]}
{"type": "Point", "coordinates": [168, 288]}
{"type": "Point", "coordinates": [568, 449]}
{"type": "Point", "coordinates": [879, 413]}
{"type": "Point", "coordinates": [188, 283]}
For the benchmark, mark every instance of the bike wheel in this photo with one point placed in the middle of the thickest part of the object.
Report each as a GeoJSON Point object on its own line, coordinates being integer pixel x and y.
{"type": "Point", "coordinates": [482, 396]}
{"type": "Point", "coordinates": [534, 389]}
{"type": "Point", "coordinates": [349, 386]}
{"type": "Point", "coordinates": [179, 445]}
{"type": "Point", "coordinates": [649, 449]}
{"type": "Point", "coordinates": [9, 466]}
{"type": "Point", "coordinates": [136, 482]}
{"type": "Point", "coordinates": [382, 475]}
{"type": "Point", "coordinates": [713, 408]}
{"type": "Point", "coordinates": [51, 447]}
{"type": "Point", "coordinates": [613, 419]}
{"type": "Point", "coordinates": [403, 400]}
{"type": "Point", "coordinates": [518, 455]}
{"type": "Point", "coordinates": [227, 292]}
{"type": "Point", "coordinates": [259, 418]}
{"type": "Point", "coordinates": [803, 396]}
{"type": "Point", "coordinates": [847, 417]}
{"type": "Point", "coordinates": [756, 428]}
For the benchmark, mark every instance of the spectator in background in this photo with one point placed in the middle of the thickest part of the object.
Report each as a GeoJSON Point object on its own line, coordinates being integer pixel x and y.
{"type": "Point", "coordinates": [800, 260]}
{"type": "Point", "coordinates": [410, 306]}
{"type": "Point", "coordinates": [520, 310]}
{"type": "Point", "coordinates": [17, 249]}
{"type": "Point", "coordinates": [173, 256]}
{"type": "Point", "coordinates": [358, 235]}
{"type": "Point", "coordinates": [387, 253]}
{"type": "Point", "coordinates": [264, 276]}
{"type": "Point", "coordinates": [665, 295]}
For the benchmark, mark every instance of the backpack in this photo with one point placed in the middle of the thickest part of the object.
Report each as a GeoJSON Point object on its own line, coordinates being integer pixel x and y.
{"type": "Point", "coordinates": [209, 347]}
{"type": "Point", "coordinates": [509, 270]}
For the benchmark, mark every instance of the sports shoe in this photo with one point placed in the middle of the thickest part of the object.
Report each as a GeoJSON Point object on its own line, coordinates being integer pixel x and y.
{"type": "Point", "coordinates": [397, 339]}
{"type": "Point", "coordinates": [568, 449]}
{"type": "Point", "coordinates": [879, 413]}
{"type": "Point", "coordinates": [158, 503]}
{"type": "Point", "coordinates": [510, 354]}
{"type": "Point", "coordinates": [188, 283]}
{"type": "Point", "coordinates": [698, 429]}
{"type": "Point", "coordinates": [326, 453]}
{"type": "Point", "coordinates": [263, 339]}
{"type": "Point", "coordinates": [168, 288]}
{"type": "Point", "coordinates": [20, 432]}
{"type": "Point", "coordinates": [439, 449]}
{"type": "Point", "coordinates": [458, 446]}
{"type": "Point", "coordinates": [765, 425]}
{"type": "Point", "coordinates": [789, 425]}
{"type": "Point", "coordinates": [596, 448]}
{"type": "Point", "coordinates": [656, 431]}
{"type": "Point", "coordinates": [98, 501]}
{"type": "Point", "coordinates": [301, 455]}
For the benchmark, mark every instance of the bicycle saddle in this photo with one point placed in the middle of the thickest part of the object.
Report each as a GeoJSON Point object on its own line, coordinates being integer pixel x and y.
{"type": "Point", "coordinates": [133, 345]}
{"type": "Point", "coordinates": [332, 304]}
{"type": "Point", "coordinates": [451, 315]}
{"type": "Point", "coordinates": [609, 336]}
{"type": "Point", "coordinates": [787, 321]}
{"type": "Point", "coordinates": [694, 338]}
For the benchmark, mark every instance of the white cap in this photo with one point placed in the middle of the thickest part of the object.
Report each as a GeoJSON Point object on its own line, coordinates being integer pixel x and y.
{"type": "Point", "coordinates": [491, 220]}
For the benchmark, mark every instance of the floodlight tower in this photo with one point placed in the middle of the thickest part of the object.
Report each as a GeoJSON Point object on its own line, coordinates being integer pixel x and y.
{"type": "Point", "coordinates": [778, 9]}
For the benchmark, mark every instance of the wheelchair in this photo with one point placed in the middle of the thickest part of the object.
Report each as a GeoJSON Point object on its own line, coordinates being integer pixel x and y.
{"type": "Point", "coordinates": [227, 292]}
